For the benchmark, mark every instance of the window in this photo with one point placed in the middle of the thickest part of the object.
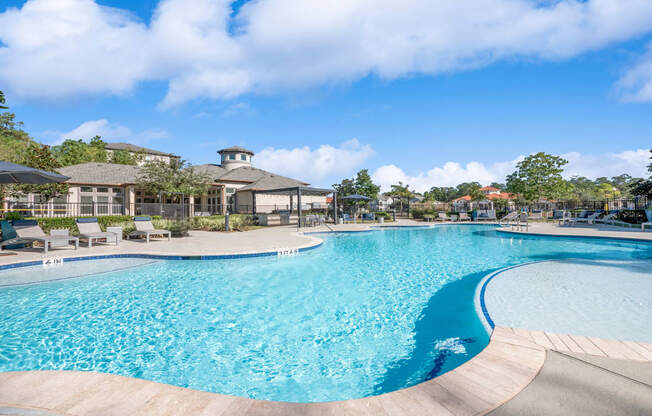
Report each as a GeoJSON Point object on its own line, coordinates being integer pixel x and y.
{"type": "Point", "coordinates": [86, 189]}
{"type": "Point", "coordinates": [231, 156]}
{"type": "Point", "coordinates": [243, 157]}
{"type": "Point", "coordinates": [102, 190]}
{"type": "Point", "coordinates": [230, 190]}
{"type": "Point", "coordinates": [117, 190]}
{"type": "Point", "coordinates": [103, 199]}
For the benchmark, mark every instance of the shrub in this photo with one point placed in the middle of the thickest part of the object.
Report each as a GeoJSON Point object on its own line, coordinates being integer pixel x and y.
{"type": "Point", "coordinates": [386, 215]}
{"type": "Point", "coordinates": [13, 216]}
{"type": "Point", "coordinates": [240, 222]}
{"type": "Point", "coordinates": [178, 228]}
{"type": "Point", "coordinates": [632, 216]}
{"type": "Point", "coordinates": [69, 223]}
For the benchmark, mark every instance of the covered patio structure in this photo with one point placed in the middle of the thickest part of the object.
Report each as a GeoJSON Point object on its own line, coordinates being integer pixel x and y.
{"type": "Point", "coordinates": [292, 192]}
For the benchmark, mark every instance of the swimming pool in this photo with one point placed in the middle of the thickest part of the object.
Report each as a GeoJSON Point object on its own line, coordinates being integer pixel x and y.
{"type": "Point", "coordinates": [364, 314]}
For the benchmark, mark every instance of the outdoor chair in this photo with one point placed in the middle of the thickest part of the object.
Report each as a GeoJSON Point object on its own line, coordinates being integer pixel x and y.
{"type": "Point", "coordinates": [90, 229]}
{"type": "Point", "coordinates": [463, 216]}
{"type": "Point", "coordinates": [607, 219]}
{"type": "Point", "coordinates": [346, 218]}
{"type": "Point", "coordinates": [368, 216]}
{"type": "Point", "coordinates": [144, 227]}
{"type": "Point", "coordinates": [28, 231]}
{"type": "Point", "coordinates": [589, 219]}
{"type": "Point", "coordinates": [443, 217]}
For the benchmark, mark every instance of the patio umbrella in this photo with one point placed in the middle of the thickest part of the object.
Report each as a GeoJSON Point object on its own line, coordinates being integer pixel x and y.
{"type": "Point", "coordinates": [13, 173]}
{"type": "Point", "coordinates": [357, 197]}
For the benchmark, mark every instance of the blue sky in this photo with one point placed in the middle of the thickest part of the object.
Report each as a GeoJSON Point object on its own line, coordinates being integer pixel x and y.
{"type": "Point", "coordinates": [429, 122]}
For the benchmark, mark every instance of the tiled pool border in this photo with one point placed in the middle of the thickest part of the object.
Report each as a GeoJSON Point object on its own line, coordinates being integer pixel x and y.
{"type": "Point", "coordinates": [161, 257]}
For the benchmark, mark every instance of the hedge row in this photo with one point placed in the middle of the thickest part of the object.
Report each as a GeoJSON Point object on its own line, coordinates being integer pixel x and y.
{"type": "Point", "coordinates": [239, 222]}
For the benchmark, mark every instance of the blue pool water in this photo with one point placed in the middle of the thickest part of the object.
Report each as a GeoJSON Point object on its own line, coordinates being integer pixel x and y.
{"type": "Point", "coordinates": [361, 315]}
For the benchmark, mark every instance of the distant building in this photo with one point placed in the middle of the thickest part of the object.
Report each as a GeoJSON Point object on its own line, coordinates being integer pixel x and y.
{"type": "Point", "coordinates": [491, 193]}
{"type": "Point", "coordinates": [382, 203]}
{"type": "Point", "coordinates": [144, 154]}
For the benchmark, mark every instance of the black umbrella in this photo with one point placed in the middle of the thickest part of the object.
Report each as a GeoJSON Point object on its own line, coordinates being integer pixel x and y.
{"type": "Point", "coordinates": [13, 173]}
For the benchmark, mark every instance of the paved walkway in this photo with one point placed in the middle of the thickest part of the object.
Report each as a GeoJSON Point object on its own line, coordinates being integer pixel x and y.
{"type": "Point", "coordinates": [596, 230]}
{"type": "Point", "coordinates": [499, 372]}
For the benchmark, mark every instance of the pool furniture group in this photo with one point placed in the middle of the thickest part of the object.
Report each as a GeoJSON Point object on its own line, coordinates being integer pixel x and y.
{"type": "Point", "coordinates": [19, 233]}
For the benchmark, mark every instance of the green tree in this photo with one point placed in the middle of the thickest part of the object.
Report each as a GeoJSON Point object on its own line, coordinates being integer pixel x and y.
{"type": "Point", "coordinates": [441, 194]}
{"type": "Point", "coordinates": [582, 189]}
{"type": "Point", "coordinates": [2, 101]}
{"type": "Point", "coordinates": [123, 157]}
{"type": "Point", "coordinates": [465, 188]}
{"type": "Point", "coordinates": [364, 185]}
{"type": "Point", "coordinates": [400, 192]}
{"type": "Point", "coordinates": [40, 157]}
{"type": "Point", "coordinates": [74, 152]}
{"type": "Point", "coordinates": [539, 176]}
{"type": "Point", "coordinates": [177, 177]}
{"type": "Point", "coordinates": [14, 141]}
{"type": "Point", "coordinates": [474, 192]}
{"type": "Point", "coordinates": [643, 187]}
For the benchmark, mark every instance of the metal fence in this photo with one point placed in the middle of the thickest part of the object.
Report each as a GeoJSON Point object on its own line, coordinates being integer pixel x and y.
{"type": "Point", "coordinates": [64, 209]}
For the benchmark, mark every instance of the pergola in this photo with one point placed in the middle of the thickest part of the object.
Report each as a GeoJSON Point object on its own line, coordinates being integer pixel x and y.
{"type": "Point", "coordinates": [298, 191]}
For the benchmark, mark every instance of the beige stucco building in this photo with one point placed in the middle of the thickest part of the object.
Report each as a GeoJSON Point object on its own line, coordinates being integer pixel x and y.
{"type": "Point", "coordinates": [112, 189]}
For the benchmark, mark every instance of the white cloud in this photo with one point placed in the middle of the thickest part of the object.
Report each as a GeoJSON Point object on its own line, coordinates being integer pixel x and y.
{"type": "Point", "coordinates": [314, 165]}
{"type": "Point", "coordinates": [67, 47]}
{"type": "Point", "coordinates": [110, 132]}
{"type": "Point", "coordinates": [633, 162]}
{"type": "Point", "coordinates": [636, 84]}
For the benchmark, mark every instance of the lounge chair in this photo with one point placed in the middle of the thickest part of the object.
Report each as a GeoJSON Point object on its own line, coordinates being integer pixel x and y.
{"type": "Point", "coordinates": [443, 217]}
{"type": "Point", "coordinates": [144, 227]}
{"type": "Point", "coordinates": [607, 219]}
{"type": "Point", "coordinates": [368, 217]}
{"type": "Point", "coordinates": [565, 218]}
{"type": "Point", "coordinates": [463, 216]}
{"type": "Point", "coordinates": [90, 229]}
{"type": "Point", "coordinates": [346, 218]}
{"type": "Point", "coordinates": [28, 231]}
{"type": "Point", "coordinates": [589, 219]}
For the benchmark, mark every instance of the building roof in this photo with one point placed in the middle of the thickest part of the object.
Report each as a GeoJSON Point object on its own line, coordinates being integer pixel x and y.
{"type": "Point", "coordinates": [136, 149]}
{"type": "Point", "coordinates": [94, 173]}
{"type": "Point", "coordinates": [502, 195]}
{"type": "Point", "coordinates": [257, 179]}
{"type": "Point", "coordinates": [489, 188]}
{"type": "Point", "coordinates": [113, 174]}
{"type": "Point", "coordinates": [214, 171]}
{"type": "Point", "coordinates": [237, 149]}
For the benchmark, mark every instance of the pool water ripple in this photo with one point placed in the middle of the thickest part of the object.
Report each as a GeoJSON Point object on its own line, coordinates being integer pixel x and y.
{"type": "Point", "coordinates": [361, 315]}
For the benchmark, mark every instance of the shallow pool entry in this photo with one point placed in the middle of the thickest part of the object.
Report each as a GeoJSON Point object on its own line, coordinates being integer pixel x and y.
{"type": "Point", "coordinates": [361, 315]}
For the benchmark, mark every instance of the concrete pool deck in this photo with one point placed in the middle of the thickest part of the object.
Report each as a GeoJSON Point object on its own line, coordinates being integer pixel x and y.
{"type": "Point", "coordinates": [507, 366]}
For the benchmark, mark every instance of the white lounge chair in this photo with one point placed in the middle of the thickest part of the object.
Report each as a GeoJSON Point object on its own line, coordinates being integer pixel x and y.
{"type": "Point", "coordinates": [144, 227]}
{"type": "Point", "coordinates": [90, 229]}
{"type": "Point", "coordinates": [463, 216]}
{"type": "Point", "coordinates": [443, 217]}
{"type": "Point", "coordinates": [607, 219]}
{"type": "Point", "coordinates": [28, 231]}
{"type": "Point", "coordinates": [588, 220]}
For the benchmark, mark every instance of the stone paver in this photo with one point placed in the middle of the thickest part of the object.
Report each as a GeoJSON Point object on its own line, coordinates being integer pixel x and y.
{"type": "Point", "coordinates": [485, 382]}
